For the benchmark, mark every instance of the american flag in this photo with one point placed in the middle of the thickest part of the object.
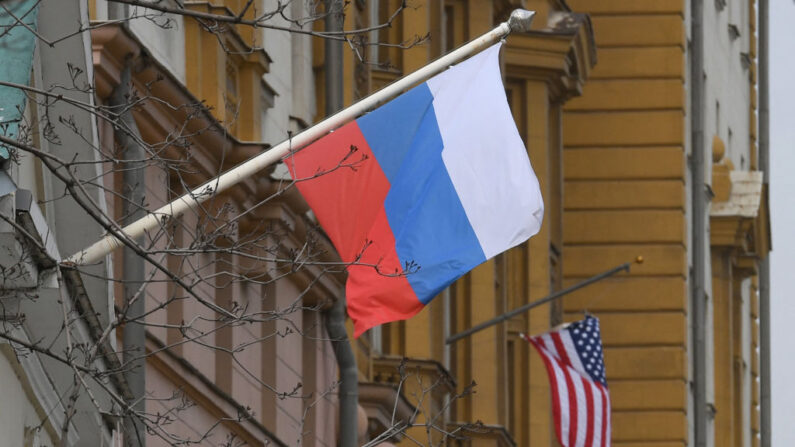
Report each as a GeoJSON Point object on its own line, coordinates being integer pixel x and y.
{"type": "Point", "coordinates": [576, 370]}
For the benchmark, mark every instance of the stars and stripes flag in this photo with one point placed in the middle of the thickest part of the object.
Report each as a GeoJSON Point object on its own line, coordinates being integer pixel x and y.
{"type": "Point", "coordinates": [576, 369]}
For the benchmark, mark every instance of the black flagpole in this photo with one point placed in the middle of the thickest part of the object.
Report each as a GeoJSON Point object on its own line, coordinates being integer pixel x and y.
{"type": "Point", "coordinates": [546, 299]}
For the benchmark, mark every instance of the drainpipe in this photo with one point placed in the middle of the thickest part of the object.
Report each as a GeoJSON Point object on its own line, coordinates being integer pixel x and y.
{"type": "Point", "coordinates": [333, 60]}
{"type": "Point", "coordinates": [349, 374]}
{"type": "Point", "coordinates": [700, 205]}
{"type": "Point", "coordinates": [133, 267]}
{"type": "Point", "coordinates": [374, 13]}
{"type": "Point", "coordinates": [335, 317]}
{"type": "Point", "coordinates": [134, 193]}
{"type": "Point", "coordinates": [118, 11]}
{"type": "Point", "coordinates": [764, 267]}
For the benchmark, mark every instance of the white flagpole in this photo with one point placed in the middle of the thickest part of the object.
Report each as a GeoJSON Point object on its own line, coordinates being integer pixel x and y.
{"type": "Point", "coordinates": [519, 20]}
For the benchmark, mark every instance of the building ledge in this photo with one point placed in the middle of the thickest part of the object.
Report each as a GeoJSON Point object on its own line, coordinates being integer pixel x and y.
{"type": "Point", "coordinates": [385, 407]}
{"type": "Point", "coordinates": [204, 392]}
{"type": "Point", "coordinates": [496, 435]}
{"type": "Point", "coordinates": [391, 369]}
{"type": "Point", "coordinates": [741, 221]}
{"type": "Point", "coordinates": [745, 196]}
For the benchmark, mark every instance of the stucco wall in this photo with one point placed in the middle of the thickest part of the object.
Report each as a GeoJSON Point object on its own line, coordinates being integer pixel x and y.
{"type": "Point", "coordinates": [20, 421]}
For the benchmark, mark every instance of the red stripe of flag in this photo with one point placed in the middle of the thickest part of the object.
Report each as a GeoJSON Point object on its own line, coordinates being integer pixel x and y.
{"type": "Point", "coordinates": [589, 413]}
{"type": "Point", "coordinates": [564, 356]}
{"type": "Point", "coordinates": [538, 345]}
{"type": "Point", "coordinates": [563, 362]}
{"type": "Point", "coordinates": [605, 422]}
{"type": "Point", "coordinates": [341, 179]}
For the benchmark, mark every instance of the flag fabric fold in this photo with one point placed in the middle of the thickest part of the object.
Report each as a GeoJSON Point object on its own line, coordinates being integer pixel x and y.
{"type": "Point", "coordinates": [575, 366]}
{"type": "Point", "coordinates": [421, 190]}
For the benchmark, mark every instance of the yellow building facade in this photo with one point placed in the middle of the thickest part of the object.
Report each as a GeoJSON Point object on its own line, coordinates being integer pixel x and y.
{"type": "Point", "coordinates": [627, 192]}
{"type": "Point", "coordinates": [625, 196]}
{"type": "Point", "coordinates": [600, 94]}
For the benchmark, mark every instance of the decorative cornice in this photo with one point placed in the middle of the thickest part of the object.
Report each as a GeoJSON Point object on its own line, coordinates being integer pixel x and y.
{"type": "Point", "coordinates": [213, 149]}
{"type": "Point", "coordinates": [233, 40]}
{"type": "Point", "coordinates": [744, 198]}
{"type": "Point", "coordinates": [176, 107]}
{"type": "Point", "coordinates": [562, 53]}
{"type": "Point", "coordinates": [741, 221]}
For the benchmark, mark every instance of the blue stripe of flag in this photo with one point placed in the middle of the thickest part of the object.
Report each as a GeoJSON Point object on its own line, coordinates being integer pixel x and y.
{"type": "Point", "coordinates": [424, 211]}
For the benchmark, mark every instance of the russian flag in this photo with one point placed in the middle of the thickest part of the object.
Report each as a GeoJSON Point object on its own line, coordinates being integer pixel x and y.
{"type": "Point", "coordinates": [421, 190]}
